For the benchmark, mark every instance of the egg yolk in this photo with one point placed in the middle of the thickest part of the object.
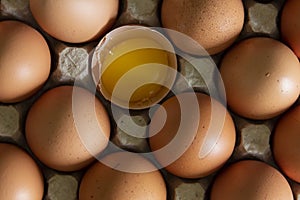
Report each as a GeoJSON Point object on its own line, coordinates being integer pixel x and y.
{"type": "Point", "coordinates": [138, 70]}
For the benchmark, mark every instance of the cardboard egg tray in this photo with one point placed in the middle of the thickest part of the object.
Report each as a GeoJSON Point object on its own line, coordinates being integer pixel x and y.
{"type": "Point", "coordinates": [70, 61]}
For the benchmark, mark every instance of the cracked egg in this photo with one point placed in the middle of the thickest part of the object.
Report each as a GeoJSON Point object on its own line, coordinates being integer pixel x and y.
{"type": "Point", "coordinates": [134, 66]}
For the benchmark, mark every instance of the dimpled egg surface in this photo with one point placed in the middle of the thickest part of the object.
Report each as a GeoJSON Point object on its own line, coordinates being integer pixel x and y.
{"type": "Point", "coordinates": [213, 24]}
{"type": "Point", "coordinates": [66, 127]}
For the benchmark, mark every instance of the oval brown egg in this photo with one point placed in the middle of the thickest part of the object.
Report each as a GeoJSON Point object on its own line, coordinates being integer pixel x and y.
{"type": "Point", "coordinates": [251, 180]}
{"type": "Point", "coordinates": [261, 78]}
{"type": "Point", "coordinates": [24, 61]}
{"type": "Point", "coordinates": [20, 176]}
{"type": "Point", "coordinates": [66, 127]}
{"type": "Point", "coordinates": [103, 182]}
{"type": "Point", "coordinates": [214, 24]}
{"type": "Point", "coordinates": [290, 25]}
{"type": "Point", "coordinates": [75, 21]}
{"type": "Point", "coordinates": [286, 147]}
{"type": "Point", "coordinates": [182, 135]}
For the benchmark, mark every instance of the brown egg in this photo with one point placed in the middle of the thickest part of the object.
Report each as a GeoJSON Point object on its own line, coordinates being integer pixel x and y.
{"type": "Point", "coordinates": [188, 145]}
{"type": "Point", "coordinates": [286, 147]}
{"type": "Point", "coordinates": [261, 78]}
{"type": "Point", "coordinates": [75, 21]}
{"type": "Point", "coordinates": [66, 127]}
{"type": "Point", "coordinates": [24, 61]}
{"type": "Point", "coordinates": [290, 25]}
{"type": "Point", "coordinates": [20, 176]}
{"type": "Point", "coordinates": [251, 180]}
{"type": "Point", "coordinates": [213, 24]}
{"type": "Point", "coordinates": [103, 182]}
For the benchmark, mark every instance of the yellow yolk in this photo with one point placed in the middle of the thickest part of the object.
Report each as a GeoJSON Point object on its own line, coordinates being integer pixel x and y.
{"type": "Point", "coordinates": [135, 72]}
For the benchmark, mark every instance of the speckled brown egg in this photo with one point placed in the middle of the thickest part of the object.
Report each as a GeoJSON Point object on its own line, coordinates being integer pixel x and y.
{"type": "Point", "coordinates": [20, 176]}
{"type": "Point", "coordinates": [213, 24]}
{"type": "Point", "coordinates": [66, 127]}
{"type": "Point", "coordinates": [24, 61]}
{"type": "Point", "coordinates": [290, 25]}
{"type": "Point", "coordinates": [105, 180]}
{"type": "Point", "coordinates": [75, 21]}
{"type": "Point", "coordinates": [286, 147]}
{"type": "Point", "coordinates": [251, 180]}
{"type": "Point", "coordinates": [197, 143]}
{"type": "Point", "coordinates": [261, 77]}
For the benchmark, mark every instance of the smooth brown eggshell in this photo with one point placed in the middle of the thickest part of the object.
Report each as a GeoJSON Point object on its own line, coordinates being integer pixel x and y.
{"type": "Point", "coordinates": [251, 180]}
{"type": "Point", "coordinates": [286, 147]}
{"type": "Point", "coordinates": [20, 176]}
{"type": "Point", "coordinates": [103, 182]}
{"type": "Point", "coordinates": [24, 61]}
{"type": "Point", "coordinates": [261, 78]}
{"type": "Point", "coordinates": [75, 21]}
{"type": "Point", "coordinates": [65, 134]}
{"type": "Point", "coordinates": [214, 24]}
{"type": "Point", "coordinates": [190, 164]}
{"type": "Point", "coordinates": [290, 25]}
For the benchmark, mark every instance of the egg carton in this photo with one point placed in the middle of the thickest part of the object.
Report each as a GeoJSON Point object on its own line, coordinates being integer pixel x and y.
{"type": "Point", "coordinates": [72, 61]}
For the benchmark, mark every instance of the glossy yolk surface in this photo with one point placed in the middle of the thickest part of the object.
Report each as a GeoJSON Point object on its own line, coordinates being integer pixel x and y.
{"type": "Point", "coordinates": [136, 72]}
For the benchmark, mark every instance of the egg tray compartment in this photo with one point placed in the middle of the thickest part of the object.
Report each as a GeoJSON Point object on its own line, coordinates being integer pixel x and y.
{"type": "Point", "coordinates": [72, 60]}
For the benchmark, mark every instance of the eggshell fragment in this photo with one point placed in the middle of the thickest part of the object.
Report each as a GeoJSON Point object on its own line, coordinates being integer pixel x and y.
{"type": "Point", "coordinates": [24, 61]}
{"type": "Point", "coordinates": [261, 78]}
{"type": "Point", "coordinates": [103, 182]}
{"type": "Point", "coordinates": [249, 180]}
{"type": "Point", "coordinates": [184, 137]}
{"type": "Point", "coordinates": [20, 176]}
{"type": "Point", "coordinates": [66, 130]}
{"type": "Point", "coordinates": [286, 147]}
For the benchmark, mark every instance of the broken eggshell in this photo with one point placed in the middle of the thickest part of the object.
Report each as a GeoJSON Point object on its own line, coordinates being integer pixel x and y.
{"type": "Point", "coordinates": [161, 74]}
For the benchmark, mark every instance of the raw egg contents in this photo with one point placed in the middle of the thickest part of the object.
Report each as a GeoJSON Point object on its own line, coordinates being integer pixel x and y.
{"type": "Point", "coordinates": [261, 78]}
{"type": "Point", "coordinates": [84, 83]}
{"type": "Point", "coordinates": [149, 60]}
{"type": "Point", "coordinates": [103, 182]}
{"type": "Point", "coordinates": [24, 61]}
{"type": "Point", "coordinates": [66, 127]}
{"type": "Point", "coordinates": [286, 146]}
{"type": "Point", "coordinates": [190, 163]}
{"type": "Point", "coordinates": [251, 180]}
{"type": "Point", "coordinates": [20, 176]}
{"type": "Point", "coordinates": [134, 67]}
